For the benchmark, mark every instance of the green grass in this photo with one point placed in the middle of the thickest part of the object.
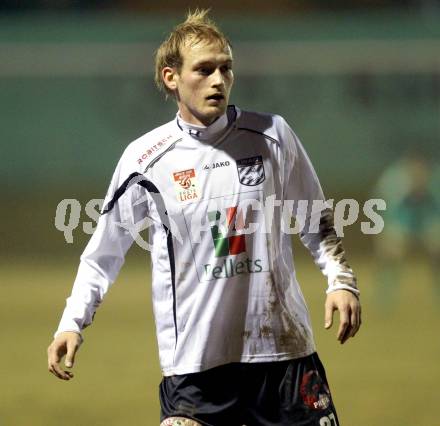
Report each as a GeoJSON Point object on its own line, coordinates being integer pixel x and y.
{"type": "Point", "coordinates": [388, 375]}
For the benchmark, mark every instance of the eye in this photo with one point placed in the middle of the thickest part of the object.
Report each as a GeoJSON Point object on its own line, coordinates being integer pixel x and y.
{"type": "Point", "coordinates": [204, 71]}
{"type": "Point", "coordinates": [225, 68]}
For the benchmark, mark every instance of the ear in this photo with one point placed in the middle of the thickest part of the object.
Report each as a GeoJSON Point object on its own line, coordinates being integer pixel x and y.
{"type": "Point", "coordinates": [169, 77]}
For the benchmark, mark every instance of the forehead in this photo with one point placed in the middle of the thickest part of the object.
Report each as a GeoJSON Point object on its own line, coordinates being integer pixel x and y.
{"type": "Point", "coordinates": [203, 51]}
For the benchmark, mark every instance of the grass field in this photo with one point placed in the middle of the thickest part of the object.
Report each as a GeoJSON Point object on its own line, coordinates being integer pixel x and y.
{"type": "Point", "coordinates": [388, 375]}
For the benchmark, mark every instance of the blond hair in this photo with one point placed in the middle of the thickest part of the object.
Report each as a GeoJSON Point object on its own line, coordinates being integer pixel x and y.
{"type": "Point", "coordinates": [196, 28]}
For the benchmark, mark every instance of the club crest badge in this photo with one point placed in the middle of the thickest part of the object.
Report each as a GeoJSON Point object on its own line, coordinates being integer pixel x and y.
{"type": "Point", "coordinates": [251, 171]}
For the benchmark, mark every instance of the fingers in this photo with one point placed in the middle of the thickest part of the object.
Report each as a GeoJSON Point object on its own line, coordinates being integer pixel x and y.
{"type": "Point", "coordinates": [65, 344]}
{"type": "Point", "coordinates": [54, 358]}
{"type": "Point", "coordinates": [354, 320]}
{"type": "Point", "coordinates": [344, 325]}
{"type": "Point", "coordinates": [61, 374]}
{"type": "Point", "coordinates": [350, 321]}
{"type": "Point", "coordinates": [72, 347]}
{"type": "Point", "coordinates": [328, 320]}
{"type": "Point", "coordinates": [358, 320]}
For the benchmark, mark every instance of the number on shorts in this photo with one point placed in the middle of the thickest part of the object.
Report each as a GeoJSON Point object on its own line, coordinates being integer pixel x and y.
{"type": "Point", "coordinates": [328, 421]}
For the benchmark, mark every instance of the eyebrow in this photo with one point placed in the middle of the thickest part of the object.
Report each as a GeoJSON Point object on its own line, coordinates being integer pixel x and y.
{"type": "Point", "coordinates": [211, 62]}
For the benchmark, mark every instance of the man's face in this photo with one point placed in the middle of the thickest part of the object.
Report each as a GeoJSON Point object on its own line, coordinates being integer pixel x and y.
{"type": "Point", "coordinates": [203, 85]}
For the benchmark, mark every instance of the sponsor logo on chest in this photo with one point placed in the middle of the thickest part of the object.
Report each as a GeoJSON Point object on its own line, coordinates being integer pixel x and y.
{"type": "Point", "coordinates": [229, 243]}
{"type": "Point", "coordinates": [154, 148]}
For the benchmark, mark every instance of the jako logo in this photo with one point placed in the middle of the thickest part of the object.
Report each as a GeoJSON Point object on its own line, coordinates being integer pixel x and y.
{"type": "Point", "coordinates": [226, 244]}
{"type": "Point", "coordinates": [216, 165]}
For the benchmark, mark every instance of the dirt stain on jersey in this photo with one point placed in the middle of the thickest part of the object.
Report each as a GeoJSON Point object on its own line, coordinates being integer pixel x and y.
{"type": "Point", "coordinates": [265, 331]}
{"type": "Point", "coordinates": [246, 334]}
{"type": "Point", "coordinates": [273, 300]}
{"type": "Point", "coordinates": [291, 336]}
{"type": "Point", "coordinates": [331, 248]}
{"type": "Point", "coordinates": [286, 340]}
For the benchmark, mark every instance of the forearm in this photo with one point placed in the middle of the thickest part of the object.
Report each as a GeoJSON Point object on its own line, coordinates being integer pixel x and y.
{"type": "Point", "coordinates": [100, 265]}
{"type": "Point", "coordinates": [329, 254]}
{"type": "Point", "coordinates": [87, 294]}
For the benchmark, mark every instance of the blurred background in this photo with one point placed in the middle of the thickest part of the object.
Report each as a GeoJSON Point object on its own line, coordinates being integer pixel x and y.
{"type": "Point", "coordinates": [359, 81]}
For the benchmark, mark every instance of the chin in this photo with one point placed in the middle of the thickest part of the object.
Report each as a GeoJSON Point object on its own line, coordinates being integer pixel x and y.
{"type": "Point", "coordinates": [216, 110]}
{"type": "Point", "coordinates": [210, 113]}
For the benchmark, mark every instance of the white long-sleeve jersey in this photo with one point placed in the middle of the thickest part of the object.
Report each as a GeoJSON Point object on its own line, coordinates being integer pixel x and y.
{"type": "Point", "coordinates": [215, 201]}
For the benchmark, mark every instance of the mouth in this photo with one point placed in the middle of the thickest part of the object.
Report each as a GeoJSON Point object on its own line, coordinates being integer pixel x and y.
{"type": "Point", "coordinates": [215, 97]}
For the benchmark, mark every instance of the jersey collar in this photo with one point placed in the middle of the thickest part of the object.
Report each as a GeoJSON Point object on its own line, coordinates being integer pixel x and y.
{"type": "Point", "coordinates": [208, 132]}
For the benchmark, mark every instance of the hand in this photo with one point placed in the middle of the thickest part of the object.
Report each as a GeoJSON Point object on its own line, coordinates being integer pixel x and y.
{"type": "Point", "coordinates": [66, 343]}
{"type": "Point", "coordinates": [349, 309]}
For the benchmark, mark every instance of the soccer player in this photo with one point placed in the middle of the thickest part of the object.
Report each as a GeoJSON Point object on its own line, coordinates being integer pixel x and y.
{"type": "Point", "coordinates": [214, 185]}
{"type": "Point", "coordinates": [411, 188]}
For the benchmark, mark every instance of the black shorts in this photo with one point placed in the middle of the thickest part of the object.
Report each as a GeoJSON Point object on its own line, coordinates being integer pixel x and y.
{"type": "Point", "coordinates": [283, 393]}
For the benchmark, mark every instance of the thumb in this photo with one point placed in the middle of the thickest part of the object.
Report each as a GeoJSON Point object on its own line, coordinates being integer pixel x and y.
{"type": "Point", "coordinates": [328, 321]}
{"type": "Point", "coordinates": [70, 356]}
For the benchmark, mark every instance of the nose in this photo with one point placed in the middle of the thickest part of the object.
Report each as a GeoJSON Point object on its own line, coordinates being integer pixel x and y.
{"type": "Point", "coordinates": [217, 78]}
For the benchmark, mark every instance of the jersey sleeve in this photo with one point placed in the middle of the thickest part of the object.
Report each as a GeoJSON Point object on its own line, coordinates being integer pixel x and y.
{"type": "Point", "coordinates": [318, 233]}
{"type": "Point", "coordinates": [104, 255]}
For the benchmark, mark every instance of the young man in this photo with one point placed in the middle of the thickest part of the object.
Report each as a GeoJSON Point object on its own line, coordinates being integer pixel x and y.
{"type": "Point", "coordinates": [235, 340]}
